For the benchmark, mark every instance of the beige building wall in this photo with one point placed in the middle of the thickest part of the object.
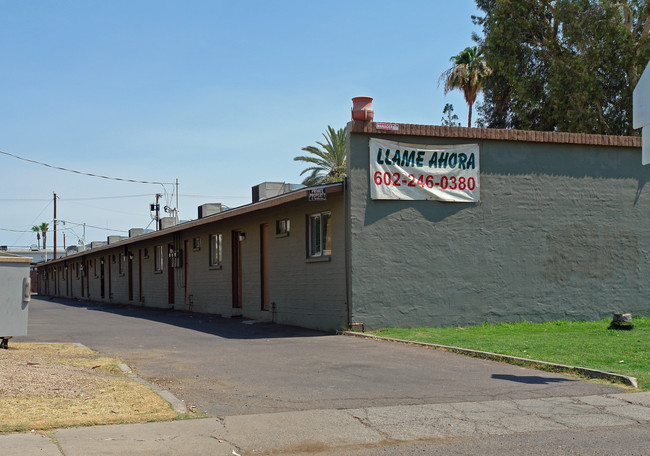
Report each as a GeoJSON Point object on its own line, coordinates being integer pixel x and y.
{"type": "Point", "coordinates": [300, 291]}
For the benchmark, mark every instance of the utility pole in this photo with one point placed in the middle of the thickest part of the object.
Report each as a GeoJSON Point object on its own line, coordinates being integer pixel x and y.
{"type": "Point", "coordinates": [158, 195]}
{"type": "Point", "coordinates": [55, 226]}
{"type": "Point", "coordinates": [178, 218]}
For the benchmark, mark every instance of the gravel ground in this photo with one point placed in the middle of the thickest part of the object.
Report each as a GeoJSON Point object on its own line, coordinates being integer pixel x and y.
{"type": "Point", "coordinates": [46, 386]}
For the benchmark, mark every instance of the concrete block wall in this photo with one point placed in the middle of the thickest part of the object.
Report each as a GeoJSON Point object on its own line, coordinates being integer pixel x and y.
{"type": "Point", "coordinates": [562, 231]}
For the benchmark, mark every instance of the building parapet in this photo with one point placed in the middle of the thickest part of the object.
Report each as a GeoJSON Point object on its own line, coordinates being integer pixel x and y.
{"type": "Point", "coordinates": [387, 128]}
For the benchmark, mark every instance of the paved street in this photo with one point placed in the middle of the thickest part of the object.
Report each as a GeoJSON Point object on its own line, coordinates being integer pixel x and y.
{"type": "Point", "coordinates": [229, 367]}
{"type": "Point", "coordinates": [280, 390]}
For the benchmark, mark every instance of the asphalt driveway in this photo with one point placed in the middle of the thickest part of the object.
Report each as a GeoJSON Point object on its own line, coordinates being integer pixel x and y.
{"type": "Point", "coordinates": [235, 367]}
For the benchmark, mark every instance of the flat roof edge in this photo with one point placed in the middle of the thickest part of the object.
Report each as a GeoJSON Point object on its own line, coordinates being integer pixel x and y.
{"type": "Point", "coordinates": [234, 212]}
{"type": "Point", "coordinates": [496, 134]}
{"type": "Point", "coordinates": [10, 258]}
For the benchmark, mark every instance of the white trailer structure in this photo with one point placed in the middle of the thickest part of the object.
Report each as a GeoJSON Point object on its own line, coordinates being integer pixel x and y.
{"type": "Point", "coordinates": [14, 296]}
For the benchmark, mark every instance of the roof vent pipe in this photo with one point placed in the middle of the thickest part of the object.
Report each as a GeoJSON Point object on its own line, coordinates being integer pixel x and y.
{"type": "Point", "coordinates": [362, 108]}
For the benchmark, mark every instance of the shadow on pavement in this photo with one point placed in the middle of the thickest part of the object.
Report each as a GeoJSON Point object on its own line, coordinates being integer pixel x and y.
{"type": "Point", "coordinates": [229, 328]}
{"type": "Point", "coordinates": [531, 379]}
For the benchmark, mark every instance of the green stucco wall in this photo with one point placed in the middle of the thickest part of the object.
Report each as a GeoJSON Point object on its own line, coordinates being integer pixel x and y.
{"type": "Point", "coordinates": [561, 232]}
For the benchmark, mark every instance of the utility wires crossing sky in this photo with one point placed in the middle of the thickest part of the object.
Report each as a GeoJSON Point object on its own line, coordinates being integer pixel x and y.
{"type": "Point", "coordinates": [84, 173]}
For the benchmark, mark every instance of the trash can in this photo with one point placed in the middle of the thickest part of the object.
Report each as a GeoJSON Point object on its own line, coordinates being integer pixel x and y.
{"type": "Point", "coordinates": [15, 293]}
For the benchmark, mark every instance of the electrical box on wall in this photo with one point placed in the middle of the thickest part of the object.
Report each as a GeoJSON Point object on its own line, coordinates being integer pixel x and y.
{"type": "Point", "coordinates": [27, 289]}
{"type": "Point", "coordinates": [176, 257]}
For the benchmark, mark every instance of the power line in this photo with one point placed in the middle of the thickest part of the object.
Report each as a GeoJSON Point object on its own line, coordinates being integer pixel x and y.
{"type": "Point", "coordinates": [22, 200]}
{"type": "Point", "coordinates": [64, 229]}
{"type": "Point", "coordinates": [93, 198]}
{"type": "Point", "coordinates": [215, 196]}
{"type": "Point", "coordinates": [34, 221]}
{"type": "Point", "coordinates": [84, 173]}
{"type": "Point", "coordinates": [90, 198]}
{"type": "Point", "coordinates": [89, 226]}
{"type": "Point", "coordinates": [15, 231]}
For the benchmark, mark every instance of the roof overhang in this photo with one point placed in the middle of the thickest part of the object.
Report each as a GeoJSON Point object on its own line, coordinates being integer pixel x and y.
{"type": "Point", "coordinates": [275, 201]}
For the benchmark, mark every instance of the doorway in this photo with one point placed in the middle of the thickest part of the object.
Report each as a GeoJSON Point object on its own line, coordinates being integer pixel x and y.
{"type": "Point", "coordinates": [186, 281]}
{"type": "Point", "coordinates": [140, 292]}
{"type": "Point", "coordinates": [130, 273]}
{"type": "Point", "coordinates": [264, 266]}
{"type": "Point", "coordinates": [101, 278]}
{"type": "Point", "coordinates": [237, 238]}
{"type": "Point", "coordinates": [170, 273]}
{"type": "Point", "coordinates": [87, 277]}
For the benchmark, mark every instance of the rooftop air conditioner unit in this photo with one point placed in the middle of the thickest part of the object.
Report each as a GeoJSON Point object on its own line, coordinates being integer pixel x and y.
{"type": "Point", "coordinates": [209, 209]}
{"type": "Point", "coordinates": [270, 189]}
{"type": "Point", "coordinates": [133, 232]}
{"type": "Point", "coordinates": [167, 222]}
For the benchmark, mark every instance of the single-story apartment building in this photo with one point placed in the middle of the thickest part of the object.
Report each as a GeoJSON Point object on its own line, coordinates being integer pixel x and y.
{"type": "Point", "coordinates": [434, 226]}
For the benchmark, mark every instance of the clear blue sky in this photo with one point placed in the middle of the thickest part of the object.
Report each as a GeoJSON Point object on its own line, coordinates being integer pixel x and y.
{"type": "Point", "coordinates": [220, 95]}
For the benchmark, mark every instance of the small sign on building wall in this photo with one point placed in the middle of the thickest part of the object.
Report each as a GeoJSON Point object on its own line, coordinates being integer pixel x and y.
{"type": "Point", "coordinates": [387, 126]}
{"type": "Point", "coordinates": [317, 194]}
{"type": "Point", "coordinates": [400, 171]}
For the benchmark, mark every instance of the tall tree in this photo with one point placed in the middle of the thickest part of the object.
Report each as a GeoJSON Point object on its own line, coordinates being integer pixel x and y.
{"type": "Point", "coordinates": [449, 119]}
{"type": "Point", "coordinates": [44, 226]}
{"type": "Point", "coordinates": [37, 230]}
{"type": "Point", "coordinates": [467, 75]}
{"type": "Point", "coordinates": [328, 162]}
{"type": "Point", "coordinates": [563, 65]}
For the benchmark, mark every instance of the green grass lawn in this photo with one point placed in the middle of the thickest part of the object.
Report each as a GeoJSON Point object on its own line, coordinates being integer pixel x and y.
{"type": "Point", "coordinates": [575, 343]}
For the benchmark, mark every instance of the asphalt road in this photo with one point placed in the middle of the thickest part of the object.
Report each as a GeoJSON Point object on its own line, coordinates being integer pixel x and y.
{"type": "Point", "coordinates": [603, 441]}
{"type": "Point", "coordinates": [238, 367]}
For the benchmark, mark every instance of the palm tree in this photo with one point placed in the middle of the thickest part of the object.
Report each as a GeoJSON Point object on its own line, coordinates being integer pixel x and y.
{"type": "Point", "coordinates": [44, 226]}
{"type": "Point", "coordinates": [329, 164]}
{"type": "Point", "coordinates": [37, 230]}
{"type": "Point", "coordinates": [467, 74]}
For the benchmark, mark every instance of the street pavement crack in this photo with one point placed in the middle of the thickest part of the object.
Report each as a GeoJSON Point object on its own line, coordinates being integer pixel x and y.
{"type": "Point", "coordinates": [365, 422]}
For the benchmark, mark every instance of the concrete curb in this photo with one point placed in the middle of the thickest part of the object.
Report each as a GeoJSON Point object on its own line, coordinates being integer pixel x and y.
{"type": "Point", "coordinates": [542, 365]}
{"type": "Point", "coordinates": [177, 404]}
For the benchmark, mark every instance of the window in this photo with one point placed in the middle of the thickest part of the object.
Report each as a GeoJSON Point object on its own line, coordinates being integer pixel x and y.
{"type": "Point", "coordinates": [320, 235]}
{"type": "Point", "coordinates": [216, 249]}
{"type": "Point", "coordinates": [282, 227]}
{"type": "Point", "coordinates": [158, 258]}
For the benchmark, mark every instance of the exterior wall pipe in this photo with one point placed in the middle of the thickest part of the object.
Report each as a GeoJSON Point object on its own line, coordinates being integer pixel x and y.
{"type": "Point", "coordinates": [55, 226]}
{"type": "Point", "coordinates": [348, 257]}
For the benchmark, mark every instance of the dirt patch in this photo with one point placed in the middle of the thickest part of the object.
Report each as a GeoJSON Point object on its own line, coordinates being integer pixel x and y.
{"type": "Point", "coordinates": [45, 386]}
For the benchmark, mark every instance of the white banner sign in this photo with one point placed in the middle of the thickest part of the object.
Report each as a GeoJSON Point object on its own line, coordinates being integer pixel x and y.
{"type": "Point", "coordinates": [421, 172]}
